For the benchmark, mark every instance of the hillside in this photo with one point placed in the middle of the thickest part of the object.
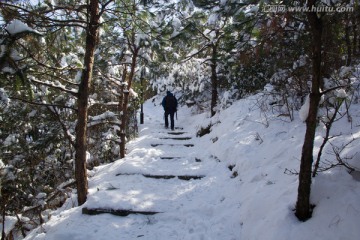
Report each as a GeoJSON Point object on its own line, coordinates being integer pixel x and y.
{"type": "Point", "coordinates": [244, 190]}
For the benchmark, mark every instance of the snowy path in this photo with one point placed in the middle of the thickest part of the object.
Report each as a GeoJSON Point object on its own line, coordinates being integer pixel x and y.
{"type": "Point", "coordinates": [184, 192]}
{"type": "Point", "coordinates": [162, 175]}
{"type": "Point", "coordinates": [157, 181]}
{"type": "Point", "coordinates": [166, 172]}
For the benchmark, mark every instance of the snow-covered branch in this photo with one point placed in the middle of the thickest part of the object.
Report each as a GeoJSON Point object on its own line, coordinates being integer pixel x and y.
{"type": "Point", "coordinates": [56, 85]}
{"type": "Point", "coordinates": [106, 117]}
{"type": "Point", "coordinates": [42, 104]}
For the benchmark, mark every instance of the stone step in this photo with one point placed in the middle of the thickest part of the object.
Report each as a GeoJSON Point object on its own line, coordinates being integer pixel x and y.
{"type": "Point", "coordinates": [181, 177]}
{"type": "Point", "coordinates": [176, 138]}
{"type": "Point", "coordinates": [176, 133]}
{"type": "Point", "coordinates": [172, 145]}
{"type": "Point", "coordinates": [169, 158]}
{"type": "Point", "coordinates": [117, 212]}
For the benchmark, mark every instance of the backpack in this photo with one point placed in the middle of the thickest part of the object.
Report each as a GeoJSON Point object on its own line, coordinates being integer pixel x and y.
{"type": "Point", "coordinates": [170, 103]}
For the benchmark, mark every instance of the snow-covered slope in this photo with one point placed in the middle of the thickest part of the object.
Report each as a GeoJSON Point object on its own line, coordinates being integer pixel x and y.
{"type": "Point", "coordinates": [258, 203]}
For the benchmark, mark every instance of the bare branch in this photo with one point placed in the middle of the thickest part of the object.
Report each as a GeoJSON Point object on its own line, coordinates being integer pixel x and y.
{"type": "Point", "coordinates": [332, 89]}
{"type": "Point", "coordinates": [64, 127]}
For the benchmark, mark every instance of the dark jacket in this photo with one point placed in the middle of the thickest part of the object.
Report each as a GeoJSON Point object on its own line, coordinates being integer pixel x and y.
{"type": "Point", "coordinates": [169, 105]}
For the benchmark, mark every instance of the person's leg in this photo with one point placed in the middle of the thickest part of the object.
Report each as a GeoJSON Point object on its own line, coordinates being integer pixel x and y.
{"type": "Point", "coordinates": [166, 119]}
{"type": "Point", "coordinates": [172, 120]}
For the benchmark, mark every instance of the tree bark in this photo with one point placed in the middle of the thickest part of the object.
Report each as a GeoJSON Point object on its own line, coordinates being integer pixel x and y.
{"type": "Point", "coordinates": [82, 103]}
{"type": "Point", "coordinates": [303, 206]}
{"type": "Point", "coordinates": [214, 81]}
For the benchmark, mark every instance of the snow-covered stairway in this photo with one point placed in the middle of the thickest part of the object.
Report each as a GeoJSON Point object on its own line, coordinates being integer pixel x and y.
{"type": "Point", "coordinates": [169, 143]}
{"type": "Point", "coordinates": [155, 178]}
{"type": "Point", "coordinates": [156, 208]}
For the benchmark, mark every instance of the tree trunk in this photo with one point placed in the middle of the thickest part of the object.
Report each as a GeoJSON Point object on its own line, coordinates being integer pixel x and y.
{"type": "Point", "coordinates": [357, 16]}
{"type": "Point", "coordinates": [348, 41]}
{"type": "Point", "coordinates": [355, 35]}
{"type": "Point", "coordinates": [83, 95]}
{"type": "Point", "coordinates": [120, 108]}
{"type": "Point", "coordinates": [357, 23]}
{"type": "Point", "coordinates": [135, 53]}
{"type": "Point", "coordinates": [214, 81]}
{"type": "Point", "coordinates": [303, 206]}
{"type": "Point", "coordinates": [3, 214]}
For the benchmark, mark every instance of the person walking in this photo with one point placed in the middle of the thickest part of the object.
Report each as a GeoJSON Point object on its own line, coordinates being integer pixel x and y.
{"type": "Point", "coordinates": [169, 104]}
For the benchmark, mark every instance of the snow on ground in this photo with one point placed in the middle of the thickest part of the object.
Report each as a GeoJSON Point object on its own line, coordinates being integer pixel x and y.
{"type": "Point", "coordinates": [256, 204]}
